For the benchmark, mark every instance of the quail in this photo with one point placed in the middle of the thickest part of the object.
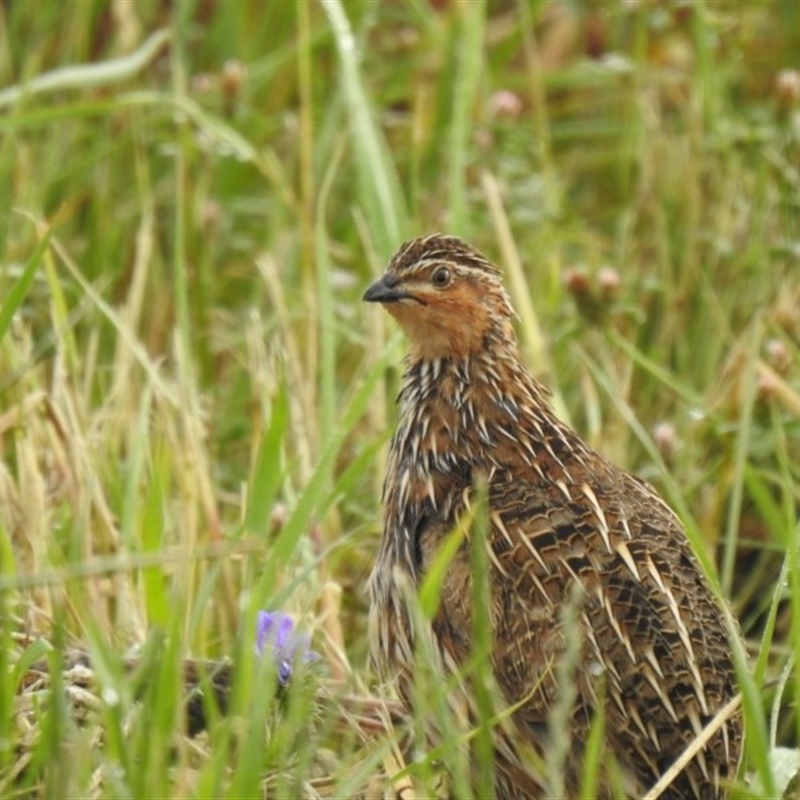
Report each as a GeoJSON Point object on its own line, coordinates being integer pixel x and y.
{"type": "Point", "coordinates": [566, 529]}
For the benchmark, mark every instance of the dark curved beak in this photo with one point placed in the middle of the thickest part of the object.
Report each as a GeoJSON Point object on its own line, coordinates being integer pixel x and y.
{"type": "Point", "coordinates": [385, 290]}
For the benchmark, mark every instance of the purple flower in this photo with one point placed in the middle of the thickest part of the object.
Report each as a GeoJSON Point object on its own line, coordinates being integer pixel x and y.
{"type": "Point", "coordinates": [276, 637]}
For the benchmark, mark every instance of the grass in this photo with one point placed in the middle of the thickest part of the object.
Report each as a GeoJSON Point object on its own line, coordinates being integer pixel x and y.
{"type": "Point", "coordinates": [194, 404]}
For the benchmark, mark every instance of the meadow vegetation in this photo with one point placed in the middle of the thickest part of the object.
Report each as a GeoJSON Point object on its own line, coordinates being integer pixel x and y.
{"type": "Point", "coordinates": [195, 405]}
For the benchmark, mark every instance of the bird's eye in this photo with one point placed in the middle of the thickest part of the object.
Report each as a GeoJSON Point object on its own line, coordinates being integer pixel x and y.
{"type": "Point", "coordinates": [441, 278]}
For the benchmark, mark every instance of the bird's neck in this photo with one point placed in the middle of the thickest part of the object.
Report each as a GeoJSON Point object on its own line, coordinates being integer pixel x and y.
{"type": "Point", "coordinates": [484, 409]}
{"type": "Point", "coordinates": [480, 415]}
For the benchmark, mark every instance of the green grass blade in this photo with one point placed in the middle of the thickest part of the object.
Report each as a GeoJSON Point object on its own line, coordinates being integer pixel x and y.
{"type": "Point", "coordinates": [309, 501]}
{"type": "Point", "coordinates": [382, 199]}
{"type": "Point", "coordinates": [470, 62]}
{"type": "Point", "coordinates": [482, 678]}
{"type": "Point", "coordinates": [85, 76]}
{"type": "Point", "coordinates": [15, 296]}
{"type": "Point", "coordinates": [267, 473]}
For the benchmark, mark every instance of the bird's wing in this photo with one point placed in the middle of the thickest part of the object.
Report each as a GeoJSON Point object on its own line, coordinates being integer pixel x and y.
{"type": "Point", "coordinates": [598, 581]}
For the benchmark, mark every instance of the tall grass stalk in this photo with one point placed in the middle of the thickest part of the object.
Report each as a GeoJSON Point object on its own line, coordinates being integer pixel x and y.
{"type": "Point", "coordinates": [469, 54]}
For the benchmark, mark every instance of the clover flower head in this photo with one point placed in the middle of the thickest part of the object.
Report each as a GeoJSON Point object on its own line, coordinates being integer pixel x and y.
{"type": "Point", "coordinates": [277, 638]}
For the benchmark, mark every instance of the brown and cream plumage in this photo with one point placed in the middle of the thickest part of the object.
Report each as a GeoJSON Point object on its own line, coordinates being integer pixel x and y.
{"type": "Point", "coordinates": [566, 527]}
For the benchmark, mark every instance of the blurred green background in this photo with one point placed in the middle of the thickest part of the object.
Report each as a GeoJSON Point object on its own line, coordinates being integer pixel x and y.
{"type": "Point", "coordinates": [195, 405]}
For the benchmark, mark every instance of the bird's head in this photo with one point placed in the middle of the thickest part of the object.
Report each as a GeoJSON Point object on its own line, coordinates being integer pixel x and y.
{"type": "Point", "coordinates": [447, 297]}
